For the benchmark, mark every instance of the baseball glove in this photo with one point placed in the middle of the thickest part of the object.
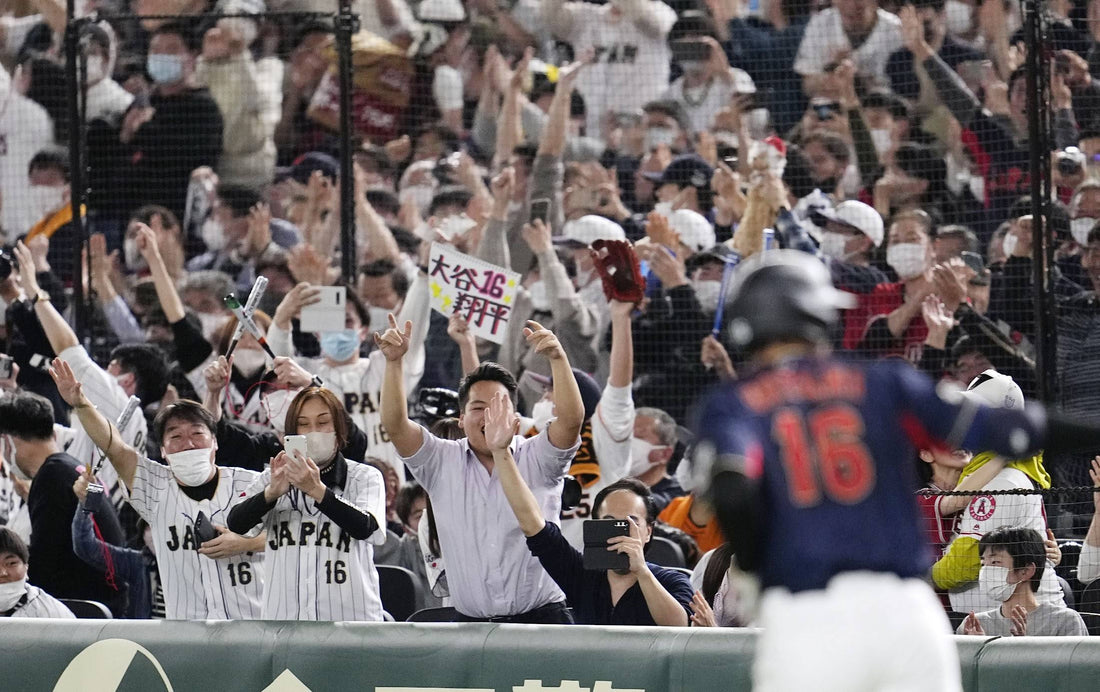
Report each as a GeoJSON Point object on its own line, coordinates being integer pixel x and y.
{"type": "Point", "coordinates": [619, 270]}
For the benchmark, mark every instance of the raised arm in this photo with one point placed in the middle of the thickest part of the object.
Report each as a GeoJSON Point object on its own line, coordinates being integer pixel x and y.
{"type": "Point", "coordinates": [216, 375]}
{"type": "Point", "coordinates": [501, 425]}
{"type": "Point", "coordinates": [552, 141]}
{"type": "Point", "coordinates": [622, 345]}
{"type": "Point", "coordinates": [407, 437]}
{"type": "Point", "coordinates": [564, 429]}
{"type": "Point", "coordinates": [459, 331]}
{"type": "Point", "coordinates": [101, 431]}
{"type": "Point", "coordinates": [165, 285]}
{"type": "Point", "coordinates": [60, 335]}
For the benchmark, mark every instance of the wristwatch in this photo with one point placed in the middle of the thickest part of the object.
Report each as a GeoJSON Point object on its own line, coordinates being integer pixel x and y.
{"type": "Point", "coordinates": [41, 296]}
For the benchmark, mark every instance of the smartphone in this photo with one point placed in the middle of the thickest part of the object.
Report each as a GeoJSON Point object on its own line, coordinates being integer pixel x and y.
{"type": "Point", "coordinates": [690, 50]}
{"type": "Point", "coordinates": [596, 534]}
{"type": "Point", "coordinates": [6, 363]}
{"type": "Point", "coordinates": [826, 110]}
{"type": "Point", "coordinates": [540, 209]}
{"type": "Point", "coordinates": [204, 530]}
{"type": "Point", "coordinates": [93, 501]}
{"type": "Point", "coordinates": [326, 315]}
{"type": "Point", "coordinates": [295, 443]}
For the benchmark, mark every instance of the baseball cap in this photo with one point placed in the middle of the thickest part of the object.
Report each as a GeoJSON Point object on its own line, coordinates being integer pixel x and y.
{"type": "Point", "coordinates": [586, 230]}
{"type": "Point", "coordinates": [852, 213]}
{"type": "Point", "coordinates": [441, 11]}
{"type": "Point", "coordinates": [590, 391]}
{"type": "Point", "coordinates": [995, 390]}
{"type": "Point", "coordinates": [684, 170]}
{"type": "Point", "coordinates": [304, 165]}
{"type": "Point", "coordinates": [693, 228]}
{"type": "Point", "coordinates": [716, 253]}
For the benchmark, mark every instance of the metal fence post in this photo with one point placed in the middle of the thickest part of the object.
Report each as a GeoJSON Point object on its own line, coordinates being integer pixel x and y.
{"type": "Point", "coordinates": [1042, 245]}
{"type": "Point", "coordinates": [78, 180]}
{"type": "Point", "coordinates": [346, 25]}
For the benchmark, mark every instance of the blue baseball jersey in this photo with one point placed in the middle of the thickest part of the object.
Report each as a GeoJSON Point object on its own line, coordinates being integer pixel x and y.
{"type": "Point", "coordinates": [832, 444]}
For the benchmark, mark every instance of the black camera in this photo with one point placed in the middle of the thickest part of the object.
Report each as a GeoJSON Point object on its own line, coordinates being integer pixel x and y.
{"type": "Point", "coordinates": [436, 403]}
{"type": "Point", "coordinates": [8, 262]}
{"type": "Point", "coordinates": [1071, 161]}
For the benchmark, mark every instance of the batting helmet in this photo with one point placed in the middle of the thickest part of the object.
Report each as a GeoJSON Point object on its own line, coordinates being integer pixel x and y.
{"type": "Point", "coordinates": [783, 295]}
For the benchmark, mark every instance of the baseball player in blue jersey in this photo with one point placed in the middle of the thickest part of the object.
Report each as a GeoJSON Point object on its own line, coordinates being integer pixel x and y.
{"type": "Point", "coordinates": [812, 479]}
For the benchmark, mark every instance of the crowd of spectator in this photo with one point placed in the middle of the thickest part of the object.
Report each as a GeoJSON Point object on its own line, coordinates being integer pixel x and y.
{"type": "Point", "coordinates": [889, 140]}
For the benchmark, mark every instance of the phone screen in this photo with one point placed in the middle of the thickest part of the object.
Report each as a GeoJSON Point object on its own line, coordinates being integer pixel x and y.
{"type": "Point", "coordinates": [540, 209]}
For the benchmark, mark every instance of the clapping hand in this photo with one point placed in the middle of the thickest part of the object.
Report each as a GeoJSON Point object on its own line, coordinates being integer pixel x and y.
{"type": "Point", "coordinates": [972, 626]}
{"type": "Point", "coordinates": [1018, 618]}
{"type": "Point", "coordinates": [702, 615]}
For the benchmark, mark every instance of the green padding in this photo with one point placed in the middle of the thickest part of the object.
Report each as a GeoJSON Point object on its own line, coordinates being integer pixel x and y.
{"type": "Point", "coordinates": [1039, 663]}
{"type": "Point", "coordinates": [328, 657]}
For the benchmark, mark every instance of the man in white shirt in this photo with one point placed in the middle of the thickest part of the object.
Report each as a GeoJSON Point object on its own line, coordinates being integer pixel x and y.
{"type": "Point", "coordinates": [853, 29]}
{"type": "Point", "coordinates": [18, 599]}
{"type": "Point", "coordinates": [490, 572]}
{"type": "Point", "coordinates": [632, 57]}
{"type": "Point", "coordinates": [25, 129]}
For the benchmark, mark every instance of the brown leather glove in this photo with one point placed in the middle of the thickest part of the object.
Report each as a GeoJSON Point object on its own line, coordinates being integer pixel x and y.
{"type": "Point", "coordinates": [619, 270]}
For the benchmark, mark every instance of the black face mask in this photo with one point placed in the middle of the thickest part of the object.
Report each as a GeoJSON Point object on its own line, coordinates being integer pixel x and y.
{"type": "Point", "coordinates": [828, 185]}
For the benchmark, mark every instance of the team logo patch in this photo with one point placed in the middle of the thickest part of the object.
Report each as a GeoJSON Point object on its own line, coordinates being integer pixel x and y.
{"type": "Point", "coordinates": [981, 507]}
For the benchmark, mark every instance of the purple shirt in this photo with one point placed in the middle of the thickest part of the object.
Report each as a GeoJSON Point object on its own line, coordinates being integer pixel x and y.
{"type": "Point", "coordinates": [490, 571]}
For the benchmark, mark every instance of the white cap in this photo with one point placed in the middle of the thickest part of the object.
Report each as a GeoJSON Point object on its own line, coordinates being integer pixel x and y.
{"type": "Point", "coordinates": [693, 228]}
{"type": "Point", "coordinates": [742, 82]}
{"type": "Point", "coordinates": [588, 229]}
{"type": "Point", "coordinates": [857, 215]}
{"type": "Point", "coordinates": [441, 11]}
{"type": "Point", "coordinates": [995, 390]}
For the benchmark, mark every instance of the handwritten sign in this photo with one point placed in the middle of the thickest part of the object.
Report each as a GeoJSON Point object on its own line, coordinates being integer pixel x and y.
{"type": "Point", "coordinates": [483, 293]}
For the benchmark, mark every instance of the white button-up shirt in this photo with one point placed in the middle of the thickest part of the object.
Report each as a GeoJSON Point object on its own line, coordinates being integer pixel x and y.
{"type": "Point", "coordinates": [490, 571]}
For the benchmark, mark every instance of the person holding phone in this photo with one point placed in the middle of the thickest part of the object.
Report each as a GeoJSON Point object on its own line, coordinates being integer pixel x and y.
{"type": "Point", "coordinates": [642, 593]}
{"type": "Point", "coordinates": [322, 513]}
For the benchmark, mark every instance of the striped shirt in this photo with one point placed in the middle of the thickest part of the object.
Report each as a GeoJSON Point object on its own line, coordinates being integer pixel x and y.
{"type": "Point", "coordinates": [315, 570]}
{"type": "Point", "coordinates": [490, 571]}
{"type": "Point", "coordinates": [196, 587]}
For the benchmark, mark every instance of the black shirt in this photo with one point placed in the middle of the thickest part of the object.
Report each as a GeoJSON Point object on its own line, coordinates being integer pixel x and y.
{"type": "Point", "coordinates": [589, 592]}
{"type": "Point", "coordinates": [53, 566]}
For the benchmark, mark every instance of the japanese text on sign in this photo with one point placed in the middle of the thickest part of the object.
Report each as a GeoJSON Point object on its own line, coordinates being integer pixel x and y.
{"type": "Point", "coordinates": [484, 294]}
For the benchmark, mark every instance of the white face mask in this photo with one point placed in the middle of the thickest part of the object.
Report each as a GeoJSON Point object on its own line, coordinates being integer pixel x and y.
{"type": "Point", "coordinates": [456, 225]}
{"type": "Point", "coordinates": [213, 235]}
{"type": "Point", "coordinates": [1079, 228]}
{"type": "Point", "coordinates": [321, 447]}
{"type": "Point", "coordinates": [958, 17]}
{"type": "Point", "coordinates": [708, 294]}
{"type": "Point", "coordinates": [211, 323]}
{"type": "Point", "coordinates": [191, 467]}
{"type": "Point", "coordinates": [380, 317]}
{"type": "Point", "coordinates": [639, 456]}
{"type": "Point", "coordinates": [1008, 245]}
{"type": "Point", "coordinates": [663, 208]}
{"type": "Point", "coordinates": [656, 136]}
{"type": "Point", "coordinates": [994, 583]}
{"type": "Point", "coordinates": [539, 300]}
{"type": "Point", "coordinates": [11, 592]}
{"type": "Point", "coordinates": [249, 361]}
{"type": "Point", "coordinates": [421, 196]}
{"type": "Point", "coordinates": [883, 139]}
{"type": "Point", "coordinates": [133, 257]}
{"type": "Point", "coordinates": [695, 66]}
{"type": "Point", "coordinates": [907, 259]}
{"type": "Point", "coordinates": [97, 69]}
{"type": "Point", "coordinates": [834, 245]}
{"type": "Point", "coordinates": [45, 199]}
{"type": "Point", "coordinates": [542, 413]}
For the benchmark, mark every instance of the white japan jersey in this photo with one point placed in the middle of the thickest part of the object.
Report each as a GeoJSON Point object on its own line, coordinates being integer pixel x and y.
{"type": "Point", "coordinates": [631, 68]}
{"type": "Point", "coordinates": [359, 386]}
{"type": "Point", "coordinates": [197, 587]}
{"type": "Point", "coordinates": [988, 512]}
{"type": "Point", "coordinates": [315, 571]}
{"type": "Point", "coordinates": [107, 396]}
